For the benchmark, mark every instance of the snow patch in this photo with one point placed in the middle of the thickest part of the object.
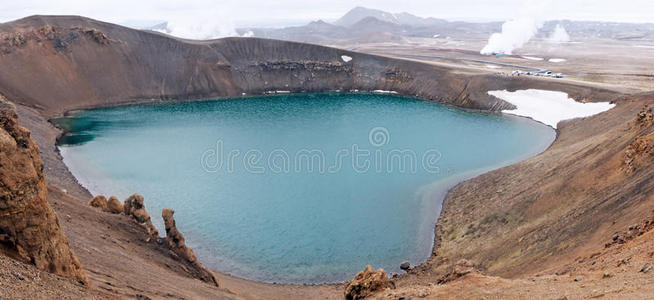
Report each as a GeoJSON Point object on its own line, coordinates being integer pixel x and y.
{"type": "Point", "coordinates": [548, 107]}
{"type": "Point", "coordinates": [384, 92]}
{"type": "Point", "coordinates": [346, 58]}
{"type": "Point", "coordinates": [454, 42]}
{"type": "Point", "coordinates": [492, 66]}
{"type": "Point", "coordinates": [557, 60]}
{"type": "Point", "coordinates": [532, 58]}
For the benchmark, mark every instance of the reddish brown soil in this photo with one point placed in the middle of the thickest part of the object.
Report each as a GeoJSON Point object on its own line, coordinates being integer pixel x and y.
{"type": "Point", "coordinates": [622, 271]}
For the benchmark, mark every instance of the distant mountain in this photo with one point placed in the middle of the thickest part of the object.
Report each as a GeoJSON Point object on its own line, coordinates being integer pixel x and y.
{"type": "Point", "coordinates": [319, 26]}
{"type": "Point", "coordinates": [365, 25]}
{"type": "Point", "coordinates": [359, 13]}
{"type": "Point", "coordinates": [384, 27]}
{"type": "Point", "coordinates": [317, 32]}
{"type": "Point", "coordinates": [372, 24]}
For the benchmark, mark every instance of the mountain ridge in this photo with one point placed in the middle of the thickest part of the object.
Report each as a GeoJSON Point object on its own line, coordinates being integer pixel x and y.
{"type": "Point", "coordinates": [359, 13]}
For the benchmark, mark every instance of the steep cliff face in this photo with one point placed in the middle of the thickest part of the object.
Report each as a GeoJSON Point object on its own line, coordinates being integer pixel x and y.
{"type": "Point", "coordinates": [29, 228]}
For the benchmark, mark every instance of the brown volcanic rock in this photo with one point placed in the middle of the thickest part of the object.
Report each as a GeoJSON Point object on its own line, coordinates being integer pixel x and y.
{"type": "Point", "coordinates": [59, 39]}
{"type": "Point", "coordinates": [97, 36]}
{"type": "Point", "coordinates": [174, 237]}
{"type": "Point", "coordinates": [99, 202]}
{"type": "Point", "coordinates": [114, 206]}
{"type": "Point", "coordinates": [176, 242]}
{"type": "Point", "coordinates": [366, 283]}
{"type": "Point", "coordinates": [461, 268]}
{"type": "Point", "coordinates": [135, 207]}
{"type": "Point", "coordinates": [645, 116]}
{"type": "Point", "coordinates": [29, 227]}
{"type": "Point", "coordinates": [632, 232]}
{"type": "Point", "coordinates": [641, 150]}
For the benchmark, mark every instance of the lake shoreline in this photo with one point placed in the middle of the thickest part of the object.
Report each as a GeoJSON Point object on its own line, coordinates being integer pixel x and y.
{"type": "Point", "coordinates": [448, 182]}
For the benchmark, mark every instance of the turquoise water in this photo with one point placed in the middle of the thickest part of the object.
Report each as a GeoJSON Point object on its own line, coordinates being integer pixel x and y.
{"type": "Point", "coordinates": [296, 188]}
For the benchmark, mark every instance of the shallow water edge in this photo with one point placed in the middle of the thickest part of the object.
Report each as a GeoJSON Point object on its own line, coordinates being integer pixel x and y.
{"type": "Point", "coordinates": [435, 192]}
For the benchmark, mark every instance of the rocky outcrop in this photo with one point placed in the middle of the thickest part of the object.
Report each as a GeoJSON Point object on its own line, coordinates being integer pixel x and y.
{"type": "Point", "coordinates": [114, 206]}
{"type": "Point", "coordinates": [135, 207]}
{"type": "Point", "coordinates": [645, 117]}
{"type": "Point", "coordinates": [366, 283]}
{"type": "Point", "coordinates": [99, 202]}
{"type": "Point", "coordinates": [11, 41]}
{"type": "Point", "coordinates": [632, 232]}
{"type": "Point", "coordinates": [641, 150]}
{"type": "Point", "coordinates": [29, 227]}
{"type": "Point", "coordinates": [177, 244]}
{"type": "Point", "coordinates": [461, 268]}
{"type": "Point", "coordinates": [98, 36]}
{"type": "Point", "coordinates": [59, 38]}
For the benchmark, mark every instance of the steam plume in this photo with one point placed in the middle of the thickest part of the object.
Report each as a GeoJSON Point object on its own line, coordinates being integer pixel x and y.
{"type": "Point", "coordinates": [559, 35]}
{"type": "Point", "coordinates": [517, 32]}
{"type": "Point", "coordinates": [211, 24]}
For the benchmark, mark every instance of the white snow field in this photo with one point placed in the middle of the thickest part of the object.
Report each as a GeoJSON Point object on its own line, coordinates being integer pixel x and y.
{"type": "Point", "coordinates": [548, 107]}
{"type": "Point", "coordinates": [532, 58]}
{"type": "Point", "coordinates": [384, 92]}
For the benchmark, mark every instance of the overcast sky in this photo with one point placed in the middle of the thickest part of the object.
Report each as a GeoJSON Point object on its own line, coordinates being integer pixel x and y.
{"type": "Point", "coordinates": [288, 12]}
